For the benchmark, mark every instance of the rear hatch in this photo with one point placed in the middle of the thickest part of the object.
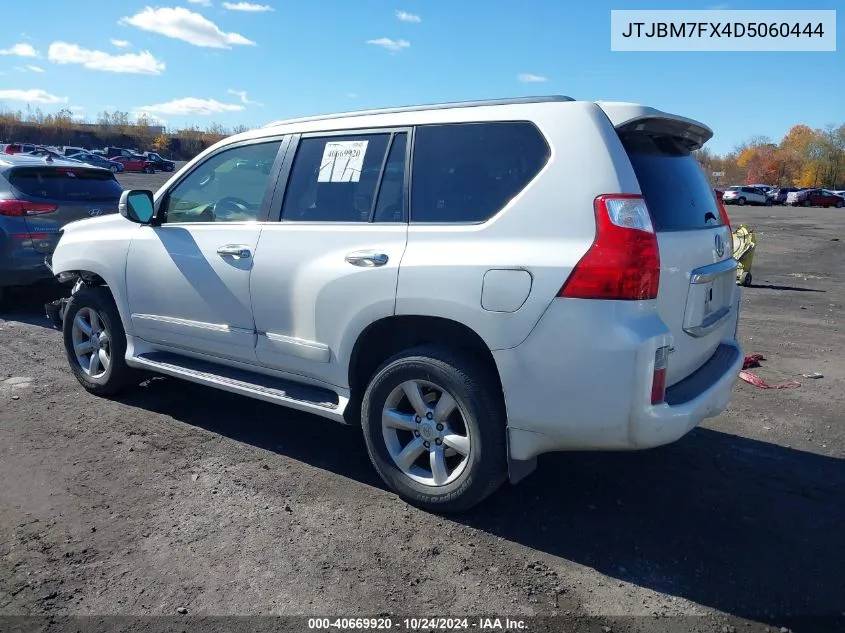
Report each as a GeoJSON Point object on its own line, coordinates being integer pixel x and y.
{"type": "Point", "coordinates": [697, 269]}
{"type": "Point", "coordinates": [52, 196]}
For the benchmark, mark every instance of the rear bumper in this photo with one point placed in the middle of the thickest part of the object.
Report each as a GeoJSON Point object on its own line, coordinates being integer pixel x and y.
{"type": "Point", "coordinates": [566, 388]}
{"type": "Point", "coordinates": [24, 271]}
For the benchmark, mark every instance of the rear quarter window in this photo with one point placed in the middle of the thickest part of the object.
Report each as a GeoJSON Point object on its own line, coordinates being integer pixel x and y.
{"type": "Point", "coordinates": [468, 172]}
{"type": "Point", "coordinates": [71, 184]}
{"type": "Point", "coordinates": [675, 188]}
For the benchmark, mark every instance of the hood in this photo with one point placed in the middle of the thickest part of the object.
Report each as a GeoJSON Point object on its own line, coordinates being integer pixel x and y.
{"type": "Point", "coordinates": [112, 220]}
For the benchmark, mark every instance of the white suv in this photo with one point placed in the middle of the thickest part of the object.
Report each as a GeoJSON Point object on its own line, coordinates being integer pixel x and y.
{"type": "Point", "coordinates": [474, 283]}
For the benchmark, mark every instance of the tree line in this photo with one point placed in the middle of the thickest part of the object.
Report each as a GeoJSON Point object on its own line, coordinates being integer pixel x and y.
{"type": "Point", "coordinates": [804, 157]}
{"type": "Point", "coordinates": [115, 128]}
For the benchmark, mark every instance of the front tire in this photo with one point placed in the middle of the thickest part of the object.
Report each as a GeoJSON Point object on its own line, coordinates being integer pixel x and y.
{"type": "Point", "coordinates": [114, 169]}
{"type": "Point", "coordinates": [95, 342]}
{"type": "Point", "coordinates": [435, 429]}
{"type": "Point", "coordinates": [839, 204]}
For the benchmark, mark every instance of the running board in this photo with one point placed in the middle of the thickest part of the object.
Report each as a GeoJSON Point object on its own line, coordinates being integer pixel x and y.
{"type": "Point", "coordinates": [323, 402]}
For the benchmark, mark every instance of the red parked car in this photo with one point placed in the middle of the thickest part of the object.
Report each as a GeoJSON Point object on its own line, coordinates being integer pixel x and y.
{"type": "Point", "coordinates": [19, 148]}
{"type": "Point", "coordinates": [814, 198]}
{"type": "Point", "coordinates": [135, 163]}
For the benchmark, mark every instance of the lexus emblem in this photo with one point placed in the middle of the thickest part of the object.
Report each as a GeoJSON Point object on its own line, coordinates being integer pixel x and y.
{"type": "Point", "coordinates": [720, 246]}
{"type": "Point", "coordinates": [94, 212]}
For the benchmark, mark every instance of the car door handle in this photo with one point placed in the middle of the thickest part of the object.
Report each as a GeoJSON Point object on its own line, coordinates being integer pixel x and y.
{"type": "Point", "coordinates": [240, 251]}
{"type": "Point", "coordinates": [367, 259]}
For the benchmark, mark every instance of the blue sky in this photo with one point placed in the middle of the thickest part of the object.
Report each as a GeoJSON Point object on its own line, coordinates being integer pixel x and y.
{"type": "Point", "coordinates": [202, 61]}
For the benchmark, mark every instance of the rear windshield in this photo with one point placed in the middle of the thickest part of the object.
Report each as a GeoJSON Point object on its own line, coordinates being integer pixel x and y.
{"type": "Point", "coordinates": [674, 186]}
{"type": "Point", "coordinates": [64, 183]}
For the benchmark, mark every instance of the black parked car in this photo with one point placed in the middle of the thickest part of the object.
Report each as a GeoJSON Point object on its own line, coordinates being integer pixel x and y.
{"type": "Point", "coordinates": [159, 163]}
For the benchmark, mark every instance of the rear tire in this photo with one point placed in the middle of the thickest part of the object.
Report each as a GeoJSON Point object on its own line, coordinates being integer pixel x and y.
{"type": "Point", "coordinates": [740, 201]}
{"type": "Point", "coordinates": [840, 204]}
{"type": "Point", "coordinates": [453, 456]}
{"type": "Point", "coordinates": [746, 279]}
{"type": "Point", "coordinates": [114, 169]}
{"type": "Point", "coordinates": [806, 203]}
{"type": "Point", "coordinates": [92, 314]}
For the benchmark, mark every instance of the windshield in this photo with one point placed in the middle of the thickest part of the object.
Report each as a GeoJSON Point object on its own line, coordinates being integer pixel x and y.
{"type": "Point", "coordinates": [675, 188]}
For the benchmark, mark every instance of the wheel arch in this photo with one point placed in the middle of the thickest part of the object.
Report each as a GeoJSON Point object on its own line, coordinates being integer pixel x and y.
{"type": "Point", "coordinates": [387, 336]}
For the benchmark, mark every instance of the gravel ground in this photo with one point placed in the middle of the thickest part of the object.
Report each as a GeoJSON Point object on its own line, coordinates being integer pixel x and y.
{"type": "Point", "coordinates": [177, 496]}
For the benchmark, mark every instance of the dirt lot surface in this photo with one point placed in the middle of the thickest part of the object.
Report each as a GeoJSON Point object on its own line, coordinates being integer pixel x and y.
{"type": "Point", "coordinates": [177, 496]}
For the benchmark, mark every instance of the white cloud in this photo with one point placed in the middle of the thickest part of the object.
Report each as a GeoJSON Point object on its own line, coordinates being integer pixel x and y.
{"type": "Point", "coordinates": [352, 95]}
{"type": "Point", "coordinates": [404, 16]}
{"type": "Point", "coordinates": [183, 24]}
{"type": "Point", "coordinates": [139, 63]}
{"type": "Point", "coordinates": [529, 78]}
{"type": "Point", "coordinates": [21, 50]}
{"type": "Point", "coordinates": [389, 44]}
{"type": "Point", "coordinates": [241, 94]}
{"type": "Point", "coordinates": [36, 96]}
{"type": "Point", "coordinates": [247, 6]}
{"type": "Point", "coordinates": [191, 105]}
{"type": "Point", "coordinates": [121, 43]}
{"type": "Point", "coordinates": [719, 7]}
{"type": "Point", "coordinates": [203, 3]}
{"type": "Point", "coordinates": [32, 69]}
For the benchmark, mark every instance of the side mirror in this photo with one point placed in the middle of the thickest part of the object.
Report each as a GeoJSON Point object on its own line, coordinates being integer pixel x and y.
{"type": "Point", "coordinates": [137, 205]}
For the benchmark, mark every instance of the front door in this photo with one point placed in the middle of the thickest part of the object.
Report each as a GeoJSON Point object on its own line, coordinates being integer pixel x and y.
{"type": "Point", "coordinates": [188, 279]}
{"type": "Point", "coordinates": [330, 266]}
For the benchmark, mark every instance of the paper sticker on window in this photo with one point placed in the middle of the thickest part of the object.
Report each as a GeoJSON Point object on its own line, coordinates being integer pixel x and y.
{"type": "Point", "coordinates": [342, 161]}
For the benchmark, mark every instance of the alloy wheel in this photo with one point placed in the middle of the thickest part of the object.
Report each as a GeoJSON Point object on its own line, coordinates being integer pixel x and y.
{"type": "Point", "coordinates": [91, 343]}
{"type": "Point", "coordinates": [426, 433]}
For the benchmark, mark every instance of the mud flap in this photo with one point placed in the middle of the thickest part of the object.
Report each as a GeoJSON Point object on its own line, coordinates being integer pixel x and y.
{"type": "Point", "coordinates": [519, 469]}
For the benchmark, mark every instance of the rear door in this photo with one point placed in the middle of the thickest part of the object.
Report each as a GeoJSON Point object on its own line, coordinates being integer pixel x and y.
{"type": "Point", "coordinates": [55, 196]}
{"type": "Point", "coordinates": [697, 269]}
{"type": "Point", "coordinates": [330, 264]}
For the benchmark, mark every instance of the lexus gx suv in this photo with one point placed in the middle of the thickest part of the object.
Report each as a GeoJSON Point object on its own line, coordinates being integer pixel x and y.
{"type": "Point", "coordinates": [474, 283]}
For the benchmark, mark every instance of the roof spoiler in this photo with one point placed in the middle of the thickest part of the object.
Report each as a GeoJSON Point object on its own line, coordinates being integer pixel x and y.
{"type": "Point", "coordinates": [632, 117]}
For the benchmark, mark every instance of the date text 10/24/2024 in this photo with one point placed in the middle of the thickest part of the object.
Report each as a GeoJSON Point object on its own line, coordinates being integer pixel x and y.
{"type": "Point", "coordinates": [417, 624]}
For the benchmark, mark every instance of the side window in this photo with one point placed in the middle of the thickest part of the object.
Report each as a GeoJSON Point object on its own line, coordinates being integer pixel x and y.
{"type": "Point", "coordinates": [335, 178]}
{"type": "Point", "coordinates": [390, 205]}
{"type": "Point", "coordinates": [469, 172]}
{"type": "Point", "coordinates": [228, 187]}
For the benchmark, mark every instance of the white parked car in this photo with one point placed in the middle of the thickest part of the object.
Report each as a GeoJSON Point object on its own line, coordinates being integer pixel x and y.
{"type": "Point", "coordinates": [474, 283]}
{"type": "Point", "coordinates": [745, 195]}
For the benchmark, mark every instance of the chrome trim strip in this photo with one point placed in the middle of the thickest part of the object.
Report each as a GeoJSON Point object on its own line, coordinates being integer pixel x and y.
{"type": "Point", "coordinates": [216, 327]}
{"type": "Point", "coordinates": [303, 348]}
{"type": "Point", "coordinates": [706, 274]}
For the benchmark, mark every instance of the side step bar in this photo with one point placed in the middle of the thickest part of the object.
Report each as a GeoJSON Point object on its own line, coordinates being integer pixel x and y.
{"type": "Point", "coordinates": [322, 402]}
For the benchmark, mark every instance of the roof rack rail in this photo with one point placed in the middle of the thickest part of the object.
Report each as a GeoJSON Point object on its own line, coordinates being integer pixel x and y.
{"type": "Point", "coordinates": [420, 108]}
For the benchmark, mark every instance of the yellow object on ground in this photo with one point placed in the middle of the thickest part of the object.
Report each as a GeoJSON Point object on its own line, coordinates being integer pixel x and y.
{"type": "Point", "coordinates": [745, 243]}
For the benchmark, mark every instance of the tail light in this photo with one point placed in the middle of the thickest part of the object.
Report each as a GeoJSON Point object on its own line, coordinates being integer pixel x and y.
{"type": "Point", "coordinates": [727, 221]}
{"type": "Point", "coordinates": [623, 262]}
{"type": "Point", "coordinates": [22, 208]}
{"type": "Point", "coordinates": [658, 379]}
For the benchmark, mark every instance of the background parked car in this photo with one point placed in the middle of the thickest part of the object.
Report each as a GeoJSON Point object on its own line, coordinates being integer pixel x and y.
{"type": "Point", "coordinates": [778, 194]}
{"type": "Point", "coordinates": [99, 161]}
{"type": "Point", "coordinates": [135, 163]}
{"type": "Point", "coordinates": [159, 163]}
{"type": "Point", "coordinates": [745, 194]}
{"type": "Point", "coordinates": [43, 152]}
{"type": "Point", "coordinates": [19, 148]}
{"type": "Point", "coordinates": [815, 198]}
{"type": "Point", "coordinates": [37, 198]}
